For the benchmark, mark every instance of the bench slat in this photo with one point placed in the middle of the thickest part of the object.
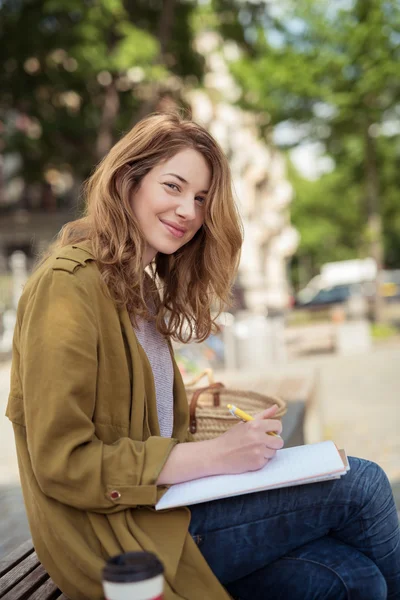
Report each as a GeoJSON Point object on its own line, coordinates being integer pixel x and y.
{"type": "Point", "coordinates": [21, 570]}
{"type": "Point", "coordinates": [29, 584]}
{"type": "Point", "coordinates": [16, 556]}
{"type": "Point", "coordinates": [47, 591]}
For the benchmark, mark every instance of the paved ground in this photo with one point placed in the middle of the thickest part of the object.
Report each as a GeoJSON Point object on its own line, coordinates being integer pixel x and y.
{"type": "Point", "coordinates": [13, 524]}
{"type": "Point", "coordinates": [357, 405]}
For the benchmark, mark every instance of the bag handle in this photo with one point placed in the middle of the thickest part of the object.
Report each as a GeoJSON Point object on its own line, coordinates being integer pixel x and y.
{"type": "Point", "coordinates": [215, 389]}
{"type": "Point", "coordinates": [205, 373]}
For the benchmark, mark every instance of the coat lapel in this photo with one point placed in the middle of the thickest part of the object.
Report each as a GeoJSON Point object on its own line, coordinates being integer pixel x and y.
{"type": "Point", "coordinates": [181, 407]}
{"type": "Point", "coordinates": [144, 420]}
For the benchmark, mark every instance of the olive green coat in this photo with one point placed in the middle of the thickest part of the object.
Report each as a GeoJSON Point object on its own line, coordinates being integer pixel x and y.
{"type": "Point", "coordinates": [83, 407]}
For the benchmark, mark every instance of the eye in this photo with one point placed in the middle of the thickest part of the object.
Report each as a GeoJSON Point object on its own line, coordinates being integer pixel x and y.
{"type": "Point", "coordinates": [173, 186]}
{"type": "Point", "coordinates": [200, 199]}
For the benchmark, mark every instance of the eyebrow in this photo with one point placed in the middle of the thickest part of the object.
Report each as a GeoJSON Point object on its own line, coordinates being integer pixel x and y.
{"type": "Point", "coordinates": [184, 181]}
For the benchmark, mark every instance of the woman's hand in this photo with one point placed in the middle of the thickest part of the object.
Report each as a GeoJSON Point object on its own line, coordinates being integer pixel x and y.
{"type": "Point", "coordinates": [246, 446]}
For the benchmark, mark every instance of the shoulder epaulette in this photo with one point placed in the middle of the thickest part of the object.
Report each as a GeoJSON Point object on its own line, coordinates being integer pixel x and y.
{"type": "Point", "coordinates": [71, 258]}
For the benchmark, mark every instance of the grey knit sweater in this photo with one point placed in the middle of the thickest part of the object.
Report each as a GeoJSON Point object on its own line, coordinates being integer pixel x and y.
{"type": "Point", "coordinates": [157, 351]}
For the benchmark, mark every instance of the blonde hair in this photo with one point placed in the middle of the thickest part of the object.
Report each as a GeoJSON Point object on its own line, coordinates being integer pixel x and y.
{"type": "Point", "coordinates": [197, 278]}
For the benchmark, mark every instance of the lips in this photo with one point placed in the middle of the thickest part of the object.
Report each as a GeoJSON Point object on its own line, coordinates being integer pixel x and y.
{"type": "Point", "coordinates": [175, 230]}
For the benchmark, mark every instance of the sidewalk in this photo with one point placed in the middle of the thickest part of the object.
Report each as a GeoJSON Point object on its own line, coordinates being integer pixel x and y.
{"type": "Point", "coordinates": [13, 524]}
{"type": "Point", "coordinates": [8, 457]}
{"type": "Point", "coordinates": [357, 403]}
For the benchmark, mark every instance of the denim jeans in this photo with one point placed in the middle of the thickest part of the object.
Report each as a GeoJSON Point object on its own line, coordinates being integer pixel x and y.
{"type": "Point", "coordinates": [332, 540]}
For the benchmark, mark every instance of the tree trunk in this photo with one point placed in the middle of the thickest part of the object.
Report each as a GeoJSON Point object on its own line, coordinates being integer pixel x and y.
{"type": "Point", "coordinates": [165, 25]}
{"type": "Point", "coordinates": [108, 116]}
{"type": "Point", "coordinates": [374, 223]}
{"type": "Point", "coordinates": [164, 33]}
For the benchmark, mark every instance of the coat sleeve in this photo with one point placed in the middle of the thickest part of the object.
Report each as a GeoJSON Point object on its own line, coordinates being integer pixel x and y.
{"type": "Point", "coordinates": [58, 368]}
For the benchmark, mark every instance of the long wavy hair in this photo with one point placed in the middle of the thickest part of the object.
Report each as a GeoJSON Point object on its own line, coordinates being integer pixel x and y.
{"type": "Point", "coordinates": [192, 285]}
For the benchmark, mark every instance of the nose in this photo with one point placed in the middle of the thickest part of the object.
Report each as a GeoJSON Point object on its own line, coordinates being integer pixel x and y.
{"type": "Point", "coordinates": [186, 208]}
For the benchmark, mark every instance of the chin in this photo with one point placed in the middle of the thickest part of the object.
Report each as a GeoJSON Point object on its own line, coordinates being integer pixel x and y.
{"type": "Point", "coordinates": [168, 248]}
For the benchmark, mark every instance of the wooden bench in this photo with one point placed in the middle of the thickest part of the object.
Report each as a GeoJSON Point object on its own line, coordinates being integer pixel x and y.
{"type": "Point", "coordinates": [22, 577]}
{"type": "Point", "coordinates": [21, 574]}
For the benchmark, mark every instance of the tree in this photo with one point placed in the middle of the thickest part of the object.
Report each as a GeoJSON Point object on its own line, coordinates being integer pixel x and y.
{"type": "Point", "coordinates": [89, 71]}
{"type": "Point", "coordinates": [330, 69]}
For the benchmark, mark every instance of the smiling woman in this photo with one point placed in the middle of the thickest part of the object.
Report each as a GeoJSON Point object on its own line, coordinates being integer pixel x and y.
{"type": "Point", "coordinates": [100, 413]}
{"type": "Point", "coordinates": [169, 203]}
{"type": "Point", "coordinates": [163, 197]}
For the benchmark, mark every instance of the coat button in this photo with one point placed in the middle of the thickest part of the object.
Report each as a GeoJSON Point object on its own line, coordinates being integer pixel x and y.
{"type": "Point", "coordinates": [115, 495]}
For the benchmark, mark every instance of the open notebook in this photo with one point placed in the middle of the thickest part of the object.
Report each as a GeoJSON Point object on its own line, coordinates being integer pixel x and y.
{"type": "Point", "coordinates": [290, 466]}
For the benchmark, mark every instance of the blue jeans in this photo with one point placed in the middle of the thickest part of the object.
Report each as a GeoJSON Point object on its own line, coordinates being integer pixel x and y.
{"type": "Point", "coordinates": [332, 540]}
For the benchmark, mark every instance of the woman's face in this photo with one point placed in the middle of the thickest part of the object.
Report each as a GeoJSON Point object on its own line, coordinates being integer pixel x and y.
{"type": "Point", "coordinates": [169, 204]}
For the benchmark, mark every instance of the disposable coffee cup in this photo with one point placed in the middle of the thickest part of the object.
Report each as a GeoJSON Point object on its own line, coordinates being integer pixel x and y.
{"type": "Point", "coordinates": [133, 576]}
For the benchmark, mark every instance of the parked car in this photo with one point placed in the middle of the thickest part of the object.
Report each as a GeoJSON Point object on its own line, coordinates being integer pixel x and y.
{"type": "Point", "coordinates": [390, 286]}
{"type": "Point", "coordinates": [332, 295]}
{"type": "Point", "coordinates": [336, 294]}
{"type": "Point", "coordinates": [326, 299]}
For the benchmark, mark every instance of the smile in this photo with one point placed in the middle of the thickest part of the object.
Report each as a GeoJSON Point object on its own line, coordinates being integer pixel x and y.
{"type": "Point", "coordinates": [173, 230]}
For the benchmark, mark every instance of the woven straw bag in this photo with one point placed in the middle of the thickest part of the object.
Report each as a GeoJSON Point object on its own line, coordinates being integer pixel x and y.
{"type": "Point", "coordinates": [209, 416]}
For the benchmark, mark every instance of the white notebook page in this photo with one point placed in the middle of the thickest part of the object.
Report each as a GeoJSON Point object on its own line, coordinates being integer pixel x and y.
{"type": "Point", "coordinates": [290, 466]}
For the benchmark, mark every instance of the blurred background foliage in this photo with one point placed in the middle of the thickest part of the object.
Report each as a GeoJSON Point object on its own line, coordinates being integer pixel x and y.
{"type": "Point", "coordinates": [76, 74]}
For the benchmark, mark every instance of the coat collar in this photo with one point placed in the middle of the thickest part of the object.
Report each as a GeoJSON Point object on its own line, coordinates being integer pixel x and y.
{"type": "Point", "coordinates": [144, 418]}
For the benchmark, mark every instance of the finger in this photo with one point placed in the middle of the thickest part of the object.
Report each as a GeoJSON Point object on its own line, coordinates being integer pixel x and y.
{"type": "Point", "coordinates": [270, 425]}
{"type": "Point", "coordinates": [269, 453]}
{"type": "Point", "coordinates": [274, 425]}
{"type": "Point", "coordinates": [276, 443]}
{"type": "Point", "coordinates": [265, 426]}
{"type": "Point", "coordinates": [268, 413]}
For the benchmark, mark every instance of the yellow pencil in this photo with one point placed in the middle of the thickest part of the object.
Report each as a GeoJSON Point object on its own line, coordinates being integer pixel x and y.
{"type": "Point", "coordinates": [240, 414]}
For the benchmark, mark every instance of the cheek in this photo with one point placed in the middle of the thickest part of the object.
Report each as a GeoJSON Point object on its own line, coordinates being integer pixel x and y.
{"type": "Point", "coordinates": [198, 226]}
{"type": "Point", "coordinates": [149, 201]}
{"type": "Point", "coordinates": [160, 203]}
{"type": "Point", "coordinates": [200, 220]}
{"type": "Point", "coordinates": [145, 209]}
